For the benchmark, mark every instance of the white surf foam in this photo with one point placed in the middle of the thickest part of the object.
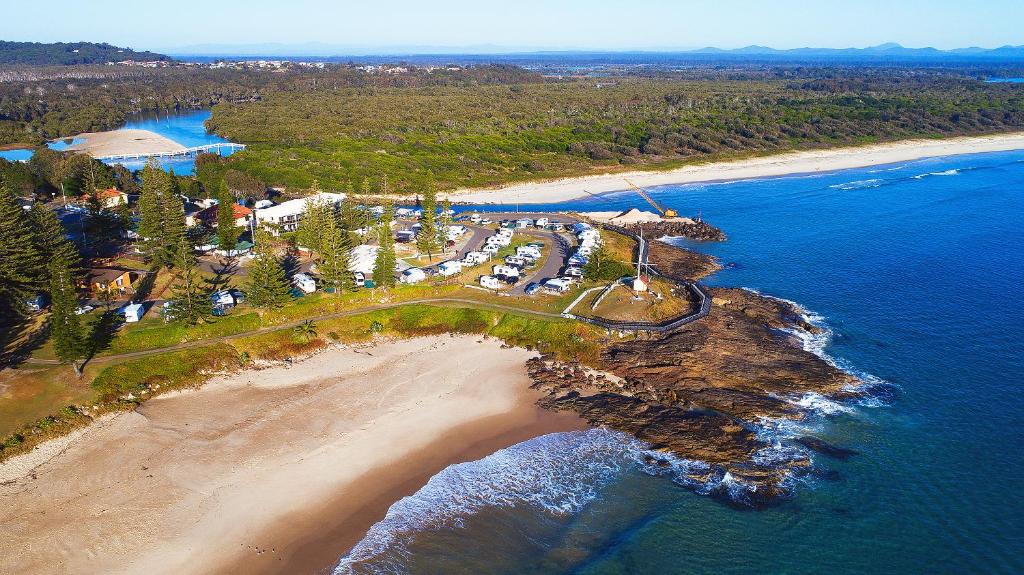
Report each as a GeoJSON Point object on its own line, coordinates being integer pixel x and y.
{"type": "Point", "coordinates": [858, 185]}
{"type": "Point", "coordinates": [559, 473]}
{"type": "Point", "coordinates": [953, 172]}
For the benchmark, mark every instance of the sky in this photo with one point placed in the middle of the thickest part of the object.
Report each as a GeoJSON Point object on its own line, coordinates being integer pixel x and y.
{"type": "Point", "coordinates": [515, 25]}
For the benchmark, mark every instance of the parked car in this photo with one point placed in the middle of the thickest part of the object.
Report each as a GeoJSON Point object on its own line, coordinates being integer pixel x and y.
{"type": "Point", "coordinates": [84, 309]}
{"type": "Point", "coordinates": [574, 272]}
{"type": "Point", "coordinates": [532, 288]}
{"type": "Point", "coordinates": [557, 285]}
{"type": "Point", "coordinates": [486, 221]}
{"type": "Point", "coordinates": [475, 218]}
{"type": "Point", "coordinates": [359, 278]}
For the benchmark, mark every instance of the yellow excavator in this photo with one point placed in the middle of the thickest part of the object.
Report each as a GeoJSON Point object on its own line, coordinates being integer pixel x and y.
{"type": "Point", "coordinates": [665, 212]}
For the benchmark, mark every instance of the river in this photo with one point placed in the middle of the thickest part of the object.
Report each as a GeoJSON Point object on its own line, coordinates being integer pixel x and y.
{"type": "Point", "coordinates": [185, 127]}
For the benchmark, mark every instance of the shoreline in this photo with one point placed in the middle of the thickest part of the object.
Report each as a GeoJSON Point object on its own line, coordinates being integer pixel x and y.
{"type": "Point", "coordinates": [775, 165]}
{"type": "Point", "coordinates": [123, 142]}
{"type": "Point", "coordinates": [284, 468]}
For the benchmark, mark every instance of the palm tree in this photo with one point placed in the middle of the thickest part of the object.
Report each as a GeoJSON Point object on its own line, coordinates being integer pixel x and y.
{"type": "Point", "coordinates": [306, 331]}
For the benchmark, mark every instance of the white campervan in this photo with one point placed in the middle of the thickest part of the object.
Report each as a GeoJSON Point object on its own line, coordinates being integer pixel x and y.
{"type": "Point", "coordinates": [449, 268]}
{"type": "Point", "coordinates": [507, 271]}
{"type": "Point", "coordinates": [490, 282]}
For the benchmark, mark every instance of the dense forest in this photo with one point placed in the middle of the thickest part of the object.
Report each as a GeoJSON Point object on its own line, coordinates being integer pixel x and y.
{"type": "Point", "coordinates": [490, 124]}
{"type": "Point", "coordinates": [483, 135]}
{"type": "Point", "coordinates": [71, 53]}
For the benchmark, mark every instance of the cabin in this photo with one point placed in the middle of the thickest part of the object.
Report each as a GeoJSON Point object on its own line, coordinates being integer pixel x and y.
{"type": "Point", "coordinates": [412, 275]}
{"type": "Point", "coordinates": [640, 283]}
{"type": "Point", "coordinates": [114, 281]}
{"type": "Point", "coordinates": [405, 236]}
{"type": "Point", "coordinates": [490, 282]}
{"type": "Point", "coordinates": [133, 312]}
{"type": "Point", "coordinates": [304, 282]}
{"type": "Point", "coordinates": [449, 268]}
{"type": "Point", "coordinates": [557, 285]}
{"type": "Point", "coordinates": [108, 198]}
{"type": "Point", "coordinates": [210, 216]}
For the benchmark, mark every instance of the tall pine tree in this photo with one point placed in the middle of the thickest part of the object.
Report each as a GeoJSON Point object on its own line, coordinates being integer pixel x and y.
{"type": "Point", "coordinates": [21, 263]}
{"type": "Point", "coordinates": [444, 221]}
{"type": "Point", "coordinates": [173, 209]}
{"type": "Point", "coordinates": [190, 302]}
{"type": "Point", "coordinates": [334, 258]}
{"type": "Point", "coordinates": [427, 238]}
{"type": "Point", "coordinates": [267, 286]}
{"type": "Point", "coordinates": [70, 340]}
{"type": "Point", "coordinates": [227, 229]}
{"type": "Point", "coordinates": [51, 238]}
{"type": "Point", "coordinates": [151, 217]}
{"type": "Point", "coordinates": [384, 264]}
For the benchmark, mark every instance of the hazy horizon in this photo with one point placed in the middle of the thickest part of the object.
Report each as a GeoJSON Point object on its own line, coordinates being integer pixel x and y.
{"type": "Point", "coordinates": [571, 25]}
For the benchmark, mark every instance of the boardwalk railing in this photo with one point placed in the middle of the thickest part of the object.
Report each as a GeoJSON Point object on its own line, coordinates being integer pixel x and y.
{"type": "Point", "coordinates": [699, 292]}
{"type": "Point", "coordinates": [184, 152]}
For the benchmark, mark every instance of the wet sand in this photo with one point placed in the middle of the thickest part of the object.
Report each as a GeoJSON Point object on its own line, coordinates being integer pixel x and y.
{"type": "Point", "coordinates": [805, 162]}
{"type": "Point", "coordinates": [273, 471]}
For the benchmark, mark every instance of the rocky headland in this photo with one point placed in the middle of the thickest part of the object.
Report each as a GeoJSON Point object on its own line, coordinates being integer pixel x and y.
{"type": "Point", "coordinates": [703, 391]}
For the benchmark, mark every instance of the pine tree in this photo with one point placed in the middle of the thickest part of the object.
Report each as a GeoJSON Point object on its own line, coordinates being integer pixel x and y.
{"type": "Point", "coordinates": [173, 210]}
{"type": "Point", "coordinates": [227, 229]}
{"type": "Point", "coordinates": [334, 260]}
{"type": "Point", "coordinates": [384, 264]}
{"type": "Point", "coordinates": [51, 241]}
{"type": "Point", "coordinates": [444, 221]}
{"type": "Point", "coordinates": [70, 341]}
{"type": "Point", "coordinates": [150, 210]}
{"type": "Point", "coordinates": [21, 263]}
{"type": "Point", "coordinates": [313, 223]}
{"type": "Point", "coordinates": [427, 238]}
{"type": "Point", "coordinates": [190, 301]}
{"type": "Point", "coordinates": [267, 286]}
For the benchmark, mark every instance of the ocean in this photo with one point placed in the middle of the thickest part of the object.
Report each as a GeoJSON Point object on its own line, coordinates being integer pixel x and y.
{"type": "Point", "coordinates": [917, 271]}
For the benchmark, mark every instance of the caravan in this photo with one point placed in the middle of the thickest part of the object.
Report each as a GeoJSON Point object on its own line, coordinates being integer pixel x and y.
{"type": "Point", "coordinates": [304, 283]}
{"type": "Point", "coordinates": [490, 282]}
{"type": "Point", "coordinates": [475, 258]}
{"type": "Point", "coordinates": [449, 268]}
{"type": "Point", "coordinates": [506, 271]}
{"type": "Point", "coordinates": [412, 275]}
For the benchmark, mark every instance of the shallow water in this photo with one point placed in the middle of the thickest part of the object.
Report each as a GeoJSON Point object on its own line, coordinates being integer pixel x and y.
{"type": "Point", "coordinates": [917, 269]}
{"type": "Point", "coordinates": [185, 127]}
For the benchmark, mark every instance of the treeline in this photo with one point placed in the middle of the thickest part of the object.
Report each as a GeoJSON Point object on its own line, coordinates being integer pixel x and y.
{"type": "Point", "coordinates": [69, 54]}
{"type": "Point", "coordinates": [35, 110]}
{"type": "Point", "coordinates": [492, 134]}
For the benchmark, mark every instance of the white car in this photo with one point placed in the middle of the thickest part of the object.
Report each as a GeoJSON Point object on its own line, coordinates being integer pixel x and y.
{"type": "Point", "coordinates": [475, 218]}
{"type": "Point", "coordinates": [486, 221]}
{"type": "Point", "coordinates": [573, 272]}
{"type": "Point", "coordinates": [84, 309]}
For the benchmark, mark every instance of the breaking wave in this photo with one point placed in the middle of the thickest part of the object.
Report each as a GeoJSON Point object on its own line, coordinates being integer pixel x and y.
{"type": "Point", "coordinates": [953, 172]}
{"type": "Point", "coordinates": [559, 473]}
{"type": "Point", "coordinates": [858, 185]}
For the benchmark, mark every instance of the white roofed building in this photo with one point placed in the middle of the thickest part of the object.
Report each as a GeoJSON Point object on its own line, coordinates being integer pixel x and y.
{"type": "Point", "coordinates": [284, 217]}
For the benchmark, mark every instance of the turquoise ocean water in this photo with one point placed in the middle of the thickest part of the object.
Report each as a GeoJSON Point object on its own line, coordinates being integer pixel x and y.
{"type": "Point", "coordinates": [918, 271]}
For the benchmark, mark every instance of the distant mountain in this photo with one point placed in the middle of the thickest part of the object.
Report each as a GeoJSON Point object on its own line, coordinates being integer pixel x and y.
{"type": "Point", "coordinates": [67, 54]}
{"type": "Point", "coordinates": [889, 50]}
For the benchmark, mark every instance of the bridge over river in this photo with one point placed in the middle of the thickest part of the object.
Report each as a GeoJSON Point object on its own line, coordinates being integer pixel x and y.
{"type": "Point", "coordinates": [178, 153]}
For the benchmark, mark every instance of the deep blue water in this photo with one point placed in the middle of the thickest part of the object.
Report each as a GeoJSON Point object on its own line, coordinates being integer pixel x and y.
{"type": "Point", "coordinates": [918, 269]}
{"type": "Point", "coordinates": [185, 127]}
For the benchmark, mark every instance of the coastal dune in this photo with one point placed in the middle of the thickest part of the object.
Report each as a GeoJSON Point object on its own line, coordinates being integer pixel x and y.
{"type": "Point", "coordinates": [276, 470]}
{"type": "Point", "coordinates": [803, 162]}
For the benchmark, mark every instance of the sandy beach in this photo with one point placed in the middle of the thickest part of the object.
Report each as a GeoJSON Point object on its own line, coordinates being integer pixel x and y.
{"type": "Point", "coordinates": [118, 142]}
{"type": "Point", "coordinates": [278, 470]}
{"type": "Point", "coordinates": [805, 162]}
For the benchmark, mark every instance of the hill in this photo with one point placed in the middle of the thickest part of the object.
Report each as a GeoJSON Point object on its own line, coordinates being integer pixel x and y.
{"type": "Point", "coordinates": [68, 54]}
